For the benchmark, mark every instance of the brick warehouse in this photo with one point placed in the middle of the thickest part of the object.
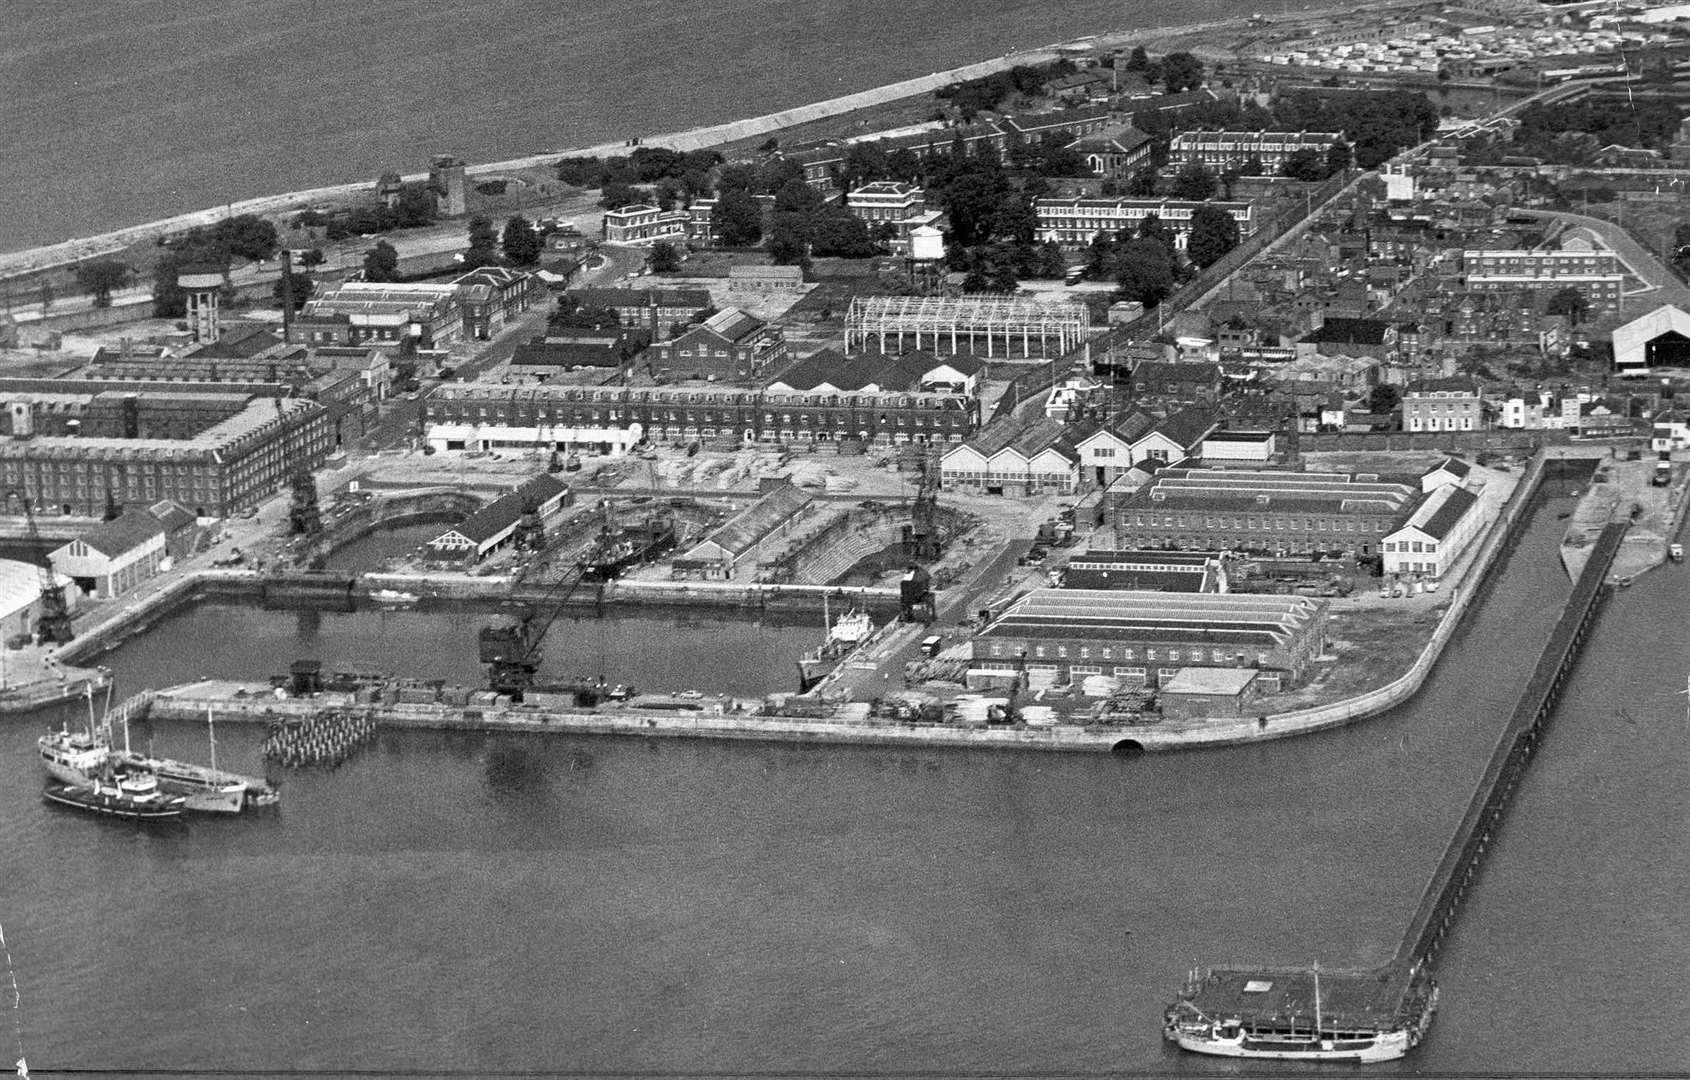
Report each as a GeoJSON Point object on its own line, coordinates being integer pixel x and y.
{"type": "Point", "coordinates": [1149, 636]}
{"type": "Point", "coordinates": [245, 453]}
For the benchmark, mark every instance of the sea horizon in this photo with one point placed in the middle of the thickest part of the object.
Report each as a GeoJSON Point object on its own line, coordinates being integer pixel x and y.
{"type": "Point", "coordinates": [176, 111]}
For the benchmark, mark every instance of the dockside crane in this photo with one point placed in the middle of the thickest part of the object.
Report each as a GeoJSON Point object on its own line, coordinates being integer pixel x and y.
{"type": "Point", "coordinates": [512, 651]}
{"type": "Point", "coordinates": [53, 627]}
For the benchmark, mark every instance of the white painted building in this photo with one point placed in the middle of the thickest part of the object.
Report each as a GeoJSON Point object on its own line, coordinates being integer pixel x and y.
{"type": "Point", "coordinates": [1428, 544]}
{"type": "Point", "coordinates": [114, 557]}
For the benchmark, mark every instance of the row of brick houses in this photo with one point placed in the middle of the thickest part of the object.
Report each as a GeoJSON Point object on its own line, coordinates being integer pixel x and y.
{"type": "Point", "coordinates": [612, 420]}
{"type": "Point", "coordinates": [1222, 150]}
{"type": "Point", "coordinates": [1074, 222]}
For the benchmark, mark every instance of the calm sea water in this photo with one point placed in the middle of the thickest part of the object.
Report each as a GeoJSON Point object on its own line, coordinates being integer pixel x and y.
{"type": "Point", "coordinates": [509, 903]}
{"type": "Point", "coordinates": [119, 112]}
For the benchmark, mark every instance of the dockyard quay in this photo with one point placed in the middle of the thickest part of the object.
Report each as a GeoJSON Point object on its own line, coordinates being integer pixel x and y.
{"type": "Point", "coordinates": [1196, 508]}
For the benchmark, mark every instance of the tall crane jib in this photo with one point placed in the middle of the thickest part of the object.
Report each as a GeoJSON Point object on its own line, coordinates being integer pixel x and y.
{"type": "Point", "coordinates": [512, 651]}
{"type": "Point", "coordinates": [53, 626]}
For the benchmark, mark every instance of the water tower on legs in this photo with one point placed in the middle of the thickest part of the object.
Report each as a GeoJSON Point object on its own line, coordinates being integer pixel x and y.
{"type": "Point", "coordinates": [926, 263]}
{"type": "Point", "coordinates": [202, 283]}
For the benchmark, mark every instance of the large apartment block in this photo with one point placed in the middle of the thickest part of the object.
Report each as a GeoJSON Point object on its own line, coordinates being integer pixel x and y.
{"type": "Point", "coordinates": [245, 449]}
{"type": "Point", "coordinates": [1595, 272]}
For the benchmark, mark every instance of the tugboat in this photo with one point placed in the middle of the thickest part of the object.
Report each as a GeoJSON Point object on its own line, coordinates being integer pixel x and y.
{"type": "Point", "coordinates": [135, 796]}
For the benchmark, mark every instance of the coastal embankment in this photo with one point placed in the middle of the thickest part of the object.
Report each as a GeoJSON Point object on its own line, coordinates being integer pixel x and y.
{"type": "Point", "coordinates": [68, 252]}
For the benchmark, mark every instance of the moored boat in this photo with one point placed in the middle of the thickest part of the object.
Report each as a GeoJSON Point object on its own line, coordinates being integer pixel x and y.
{"type": "Point", "coordinates": [135, 796]}
{"type": "Point", "coordinates": [843, 638]}
{"type": "Point", "coordinates": [83, 759]}
{"type": "Point", "coordinates": [72, 757]}
{"type": "Point", "coordinates": [1269, 1014]}
{"type": "Point", "coordinates": [393, 597]}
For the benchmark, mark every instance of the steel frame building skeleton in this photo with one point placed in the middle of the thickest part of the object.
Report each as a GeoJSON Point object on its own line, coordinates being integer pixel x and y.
{"type": "Point", "coordinates": [1041, 327]}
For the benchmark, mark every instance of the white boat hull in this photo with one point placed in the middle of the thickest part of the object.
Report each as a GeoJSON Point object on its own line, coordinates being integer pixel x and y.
{"type": "Point", "coordinates": [207, 801]}
{"type": "Point", "coordinates": [1388, 1046]}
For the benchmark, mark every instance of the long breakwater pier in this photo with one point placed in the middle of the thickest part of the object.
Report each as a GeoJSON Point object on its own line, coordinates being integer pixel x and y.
{"type": "Point", "coordinates": [1382, 1013]}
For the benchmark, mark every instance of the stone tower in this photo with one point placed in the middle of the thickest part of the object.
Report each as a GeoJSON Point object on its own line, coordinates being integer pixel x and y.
{"type": "Point", "coordinates": [446, 176]}
{"type": "Point", "coordinates": [202, 284]}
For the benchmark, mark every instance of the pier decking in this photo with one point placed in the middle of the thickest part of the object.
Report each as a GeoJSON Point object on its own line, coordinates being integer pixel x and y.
{"type": "Point", "coordinates": [1385, 996]}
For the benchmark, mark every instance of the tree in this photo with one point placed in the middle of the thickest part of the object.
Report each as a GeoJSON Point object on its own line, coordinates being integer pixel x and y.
{"type": "Point", "coordinates": [1214, 232]}
{"type": "Point", "coordinates": [522, 245]}
{"type": "Point", "coordinates": [1253, 166]}
{"type": "Point", "coordinates": [1194, 181]}
{"type": "Point", "coordinates": [1138, 59]}
{"type": "Point", "coordinates": [617, 195]}
{"type": "Point", "coordinates": [246, 236]}
{"type": "Point", "coordinates": [665, 259]}
{"type": "Point", "coordinates": [1569, 302]}
{"type": "Point", "coordinates": [416, 206]}
{"type": "Point", "coordinates": [483, 244]}
{"type": "Point", "coordinates": [1339, 157]}
{"type": "Point", "coordinates": [293, 290]}
{"type": "Point", "coordinates": [1142, 184]}
{"type": "Point", "coordinates": [1144, 273]}
{"type": "Point", "coordinates": [101, 277]}
{"type": "Point", "coordinates": [841, 234]}
{"type": "Point", "coordinates": [789, 251]}
{"type": "Point", "coordinates": [1181, 71]}
{"type": "Point", "coordinates": [314, 257]}
{"type": "Point", "coordinates": [738, 218]}
{"type": "Point", "coordinates": [1305, 164]}
{"type": "Point", "coordinates": [381, 263]}
{"type": "Point", "coordinates": [1383, 398]}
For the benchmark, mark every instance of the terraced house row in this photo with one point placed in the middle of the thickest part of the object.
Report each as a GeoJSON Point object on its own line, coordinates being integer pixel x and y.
{"type": "Point", "coordinates": [613, 420]}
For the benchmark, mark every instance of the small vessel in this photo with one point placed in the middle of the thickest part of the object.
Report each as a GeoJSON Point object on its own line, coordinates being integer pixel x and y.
{"type": "Point", "coordinates": [1675, 552]}
{"type": "Point", "coordinates": [843, 638]}
{"type": "Point", "coordinates": [135, 796]}
{"type": "Point", "coordinates": [393, 597]}
{"type": "Point", "coordinates": [72, 757]}
{"type": "Point", "coordinates": [81, 759]}
{"type": "Point", "coordinates": [1271, 1014]}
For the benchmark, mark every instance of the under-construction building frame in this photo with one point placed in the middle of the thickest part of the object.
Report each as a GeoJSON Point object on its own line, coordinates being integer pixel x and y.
{"type": "Point", "coordinates": [997, 326]}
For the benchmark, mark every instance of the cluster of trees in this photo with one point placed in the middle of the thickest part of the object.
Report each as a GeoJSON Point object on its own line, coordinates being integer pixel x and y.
{"type": "Point", "coordinates": [1142, 263]}
{"type": "Point", "coordinates": [676, 176]}
{"type": "Point", "coordinates": [1177, 71]}
{"type": "Point", "coordinates": [414, 208]}
{"type": "Point", "coordinates": [1311, 164]}
{"type": "Point", "coordinates": [988, 92]}
{"type": "Point", "coordinates": [244, 236]}
{"type": "Point", "coordinates": [1572, 131]}
{"type": "Point", "coordinates": [1382, 122]}
{"type": "Point", "coordinates": [101, 278]}
{"type": "Point", "coordinates": [1000, 267]}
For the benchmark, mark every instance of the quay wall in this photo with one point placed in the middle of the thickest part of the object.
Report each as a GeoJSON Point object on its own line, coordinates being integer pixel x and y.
{"type": "Point", "coordinates": [184, 705]}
